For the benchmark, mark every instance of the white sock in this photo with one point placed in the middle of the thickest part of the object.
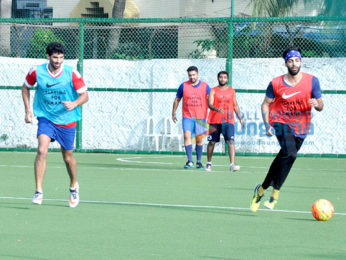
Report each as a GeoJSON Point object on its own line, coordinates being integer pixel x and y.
{"type": "Point", "coordinates": [209, 163]}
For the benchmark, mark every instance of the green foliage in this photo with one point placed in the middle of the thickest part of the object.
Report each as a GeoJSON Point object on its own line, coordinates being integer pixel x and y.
{"type": "Point", "coordinates": [41, 38]}
{"type": "Point", "coordinates": [128, 51]}
{"type": "Point", "coordinates": [309, 53]}
{"type": "Point", "coordinates": [3, 137]}
{"type": "Point", "coordinates": [202, 47]}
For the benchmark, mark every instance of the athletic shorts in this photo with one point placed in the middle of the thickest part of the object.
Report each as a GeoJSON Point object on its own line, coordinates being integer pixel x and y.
{"type": "Point", "coordinates": [226, 129]}
{"type": "Point", "coordinates": [195, 126]}
{"type": "Point", "coordinates": [64, 136]}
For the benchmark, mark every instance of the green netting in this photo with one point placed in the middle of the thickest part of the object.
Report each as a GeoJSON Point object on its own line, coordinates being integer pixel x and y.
{"type": "Point", "coordinates": [133, 67]}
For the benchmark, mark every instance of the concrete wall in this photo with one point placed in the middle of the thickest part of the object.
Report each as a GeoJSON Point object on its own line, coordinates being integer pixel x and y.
{"type": "Point", "coordinates": [118, 120]}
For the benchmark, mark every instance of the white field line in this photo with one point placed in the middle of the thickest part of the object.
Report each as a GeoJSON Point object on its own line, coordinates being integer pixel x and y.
{"type": "Point", "coordinates": [129, 160]}
{"type": "Point", "coordinates": [160, 205]}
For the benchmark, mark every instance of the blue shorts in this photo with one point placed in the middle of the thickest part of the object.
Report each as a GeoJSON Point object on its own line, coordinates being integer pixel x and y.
{"type": "Point", "coordinates": [226, 129]}
{"type": "Point", "coordinates": [195, 126]}
{"type": "Point", "coordinates": [64, 136]}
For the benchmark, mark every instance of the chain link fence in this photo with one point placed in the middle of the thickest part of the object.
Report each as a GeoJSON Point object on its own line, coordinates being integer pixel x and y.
{"type": "Point", "coordinates": [133, 68]}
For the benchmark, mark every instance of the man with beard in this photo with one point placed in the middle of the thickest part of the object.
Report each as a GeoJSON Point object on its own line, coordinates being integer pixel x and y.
{"type": "Point", "coordinates": [59, 94]}
{"type": "Point", "coordinates": [194, 93]}
{"type": "Point", "coordinates": [222, 102]}
{"type": "Point", "coordinates": [286, 112]}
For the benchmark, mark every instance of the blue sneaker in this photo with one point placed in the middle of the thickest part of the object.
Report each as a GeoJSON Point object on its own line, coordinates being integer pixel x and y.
{"type": "Point", "coordinates": [189, 165]}
{"type": "Point", "coordinates": [199, 165]}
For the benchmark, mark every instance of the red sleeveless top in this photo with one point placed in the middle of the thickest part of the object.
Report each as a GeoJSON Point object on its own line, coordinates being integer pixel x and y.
{"type": "Point", "coordinates": [195, 103]}
{"type": "Point", "coordinates": [290, 105]}
{"type": "Point", "coordinates": [222, 99]}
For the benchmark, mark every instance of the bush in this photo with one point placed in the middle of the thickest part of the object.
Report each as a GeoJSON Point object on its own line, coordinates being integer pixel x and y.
{"type": "Point", "coordinates": [41, 38]}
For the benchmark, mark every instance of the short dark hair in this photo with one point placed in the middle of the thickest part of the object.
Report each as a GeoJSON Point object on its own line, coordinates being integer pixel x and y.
{"type": "Point", "coordinates": [291, 48]}
{"type": "Point", "coordinates": [192, 68]}
{"type": "Point", "coordinates": [222, 72]}
{"type": "Point", "coordinates": [55, 47]}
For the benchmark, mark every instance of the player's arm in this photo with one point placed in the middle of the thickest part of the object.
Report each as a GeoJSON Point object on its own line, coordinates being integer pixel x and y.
{"type": "Point", "coordinates": [178, 97]}
{"type": "Point", "coordinates": [30, 81]}
{"type": "Point", "coordinates": [316, 103]}
{"type": "Point", "coordinates": [82, 99]}
{"type": "Point", "coordinates": [80, 87]}
{"type": "Point", "coordinates": [26, 99]}
{"type": "Point", "coordinates": [265, 114]}
{"type": "Point", "coordinates": [174, 109]}
{"type": "Point", "coordinates": [237, 110]}
{"type": "Point", "coordinates": [211, 102]}
{"type": "Point", "coordinates": [316, 95]}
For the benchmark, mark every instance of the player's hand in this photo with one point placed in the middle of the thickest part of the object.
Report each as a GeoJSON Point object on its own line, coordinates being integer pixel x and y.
{"type": "Point", "coordinates": [313, 102]}
{"type": "Point", "coordinates": [28, 117]}
{"type": "Point", "coordinates": [174, 118]}
{"type": "Point", "coordinates": [70, 105]}
{"type": "Point", "coordinates": [270, 131]}
{"type": "Point", "coordinates": [220, 110]}
{"type": "Point", "coordinates": [243, 123]}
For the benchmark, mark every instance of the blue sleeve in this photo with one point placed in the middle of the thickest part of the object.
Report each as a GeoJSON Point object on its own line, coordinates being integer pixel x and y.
{"type": "Point", "coordinates": [180, 91]}
{"type": "Point", "coordinates": [316, 89]}
{"type": "Point", "coordinates": [208, 89]}
{"type": "Point", "coordinates": [270, 91]}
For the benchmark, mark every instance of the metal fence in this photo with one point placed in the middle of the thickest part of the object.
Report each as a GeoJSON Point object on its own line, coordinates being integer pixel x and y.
{"type": "Point", "coordinates": [133, 68]}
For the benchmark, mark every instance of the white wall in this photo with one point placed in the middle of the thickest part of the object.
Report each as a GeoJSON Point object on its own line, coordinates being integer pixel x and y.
{"type": "Point", "coordinates": [117, 120]}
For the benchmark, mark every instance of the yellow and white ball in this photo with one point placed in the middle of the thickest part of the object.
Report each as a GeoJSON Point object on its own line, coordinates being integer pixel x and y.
{"type": "Point", "coordinates": [322, 210]}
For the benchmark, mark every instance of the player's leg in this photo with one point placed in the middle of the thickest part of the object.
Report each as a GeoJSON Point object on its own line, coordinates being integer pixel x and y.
{"type": "Point", "coordinates": [40, 167]}
{"type": "Point", "coordinates": [290, 146]}
{"type": "Point", "coordinates": [45, 134]}
{"type": "Point", "coordinates": [210, 150]}
{"type": "Point", "coordinates": [187, 128]}
{"type": "Point", "coordinates": [71, 165]}
{"type": "Point", "coordinates": [271, 175]}
{"type": "Point", "coordinates": [66, 137]}
{"type": "Point", "coordinates": [213, 138]}
{"type": "Point", "coordinates": [200, 131]}
{"type": "Point", "coordinates": [228, 134]}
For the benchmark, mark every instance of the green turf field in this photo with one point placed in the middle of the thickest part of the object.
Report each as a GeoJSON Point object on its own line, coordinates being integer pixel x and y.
{"type": "Point", "coordinates": [149, 207]}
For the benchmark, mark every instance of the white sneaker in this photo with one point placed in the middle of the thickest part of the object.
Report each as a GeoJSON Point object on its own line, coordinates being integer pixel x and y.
{"type": "Point", "coordinates": [74, 196]}
{"type": "Point", "coordinates": [208, 167]}
{"type": "Point", "coordinates": [234, 167]}
{"type": "Point", "coordinates": [37, 198]}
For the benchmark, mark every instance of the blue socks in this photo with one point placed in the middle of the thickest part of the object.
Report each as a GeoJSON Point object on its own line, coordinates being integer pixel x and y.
{"type": "Point", "coordinates": [188, 150]}
{"type": "Point", "coordinates": [199, 152]}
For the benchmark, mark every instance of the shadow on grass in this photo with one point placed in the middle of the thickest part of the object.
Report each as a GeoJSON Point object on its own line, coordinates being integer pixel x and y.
{"type": "Point", "coordinates": [333, 256]}
{"type": "Point", "coordinates": [7, 205]}
{"type": "Point", "coordinates": [8, 256]}
{"type": "Point", "coordinates": [217, 257]}
{"type": "Point", "coordinates": [307, 219]}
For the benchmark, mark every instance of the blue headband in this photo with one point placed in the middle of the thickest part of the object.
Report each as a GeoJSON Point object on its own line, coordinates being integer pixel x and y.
{"type": "Point", "coordinates": [293, 53]}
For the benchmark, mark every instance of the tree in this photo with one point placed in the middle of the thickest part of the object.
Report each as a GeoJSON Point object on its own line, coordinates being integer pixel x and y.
{"type": "Point", "coordinates": [114, 34]}
{"type": "Point", "coordinates": [40, 39]}
{"type": "Point", "coordinates": [330, 7]}
{"type": "Point", "coordinates": [272, 8]}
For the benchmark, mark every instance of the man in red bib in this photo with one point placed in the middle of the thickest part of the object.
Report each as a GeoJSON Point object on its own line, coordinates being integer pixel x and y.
{"type": "Point", "coordinates": [194, 93]}
{"type": "Point", "coordinates": [222, 102]}
{"type": "Point", "coordinates": [286, 112]}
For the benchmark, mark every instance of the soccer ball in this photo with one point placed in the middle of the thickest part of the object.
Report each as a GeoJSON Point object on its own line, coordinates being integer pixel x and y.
{"type": "Point", "coordinates": [322, 210]}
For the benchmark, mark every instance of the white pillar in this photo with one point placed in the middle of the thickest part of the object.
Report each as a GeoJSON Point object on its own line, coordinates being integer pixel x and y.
{"type": "Point", "coordinates": [5, 28]}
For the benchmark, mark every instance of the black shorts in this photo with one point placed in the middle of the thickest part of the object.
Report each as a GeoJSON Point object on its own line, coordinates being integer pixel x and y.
{"type": "Point", "coordinates": [226, 129]}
